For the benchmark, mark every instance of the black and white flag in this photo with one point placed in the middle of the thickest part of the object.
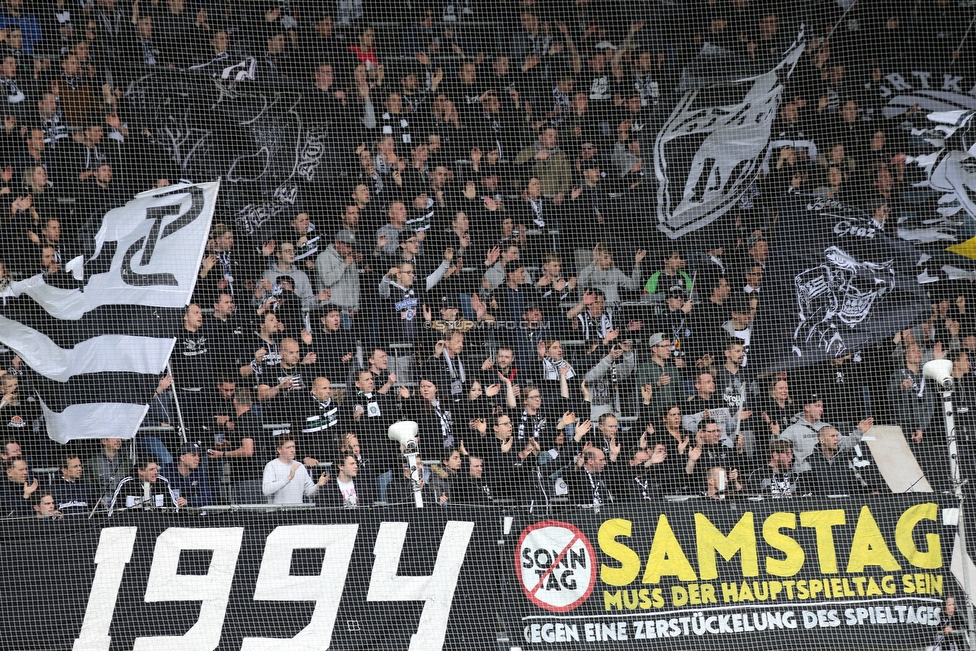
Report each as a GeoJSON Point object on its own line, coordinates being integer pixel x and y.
{"type": "Point", "coordinates": [725, 116]}
{"type": "Point", "coordinates": [836, 284]}
{"type": "Point", "coordinates": [99, 335]}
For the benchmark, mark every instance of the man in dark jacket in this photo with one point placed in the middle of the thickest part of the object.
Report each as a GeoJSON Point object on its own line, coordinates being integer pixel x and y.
{"type": "Point", "coordinates": [147, 489]}
{"type": "Point", "coordinates": [346, 491]}
{"type": "Point", "coordinates": [72, 494]}
{"type": "Point", "coordinates": [830, 468]}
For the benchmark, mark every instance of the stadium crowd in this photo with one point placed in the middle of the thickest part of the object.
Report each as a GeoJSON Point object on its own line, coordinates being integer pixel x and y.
{"type": "Point", "coordinates": [480, 256]}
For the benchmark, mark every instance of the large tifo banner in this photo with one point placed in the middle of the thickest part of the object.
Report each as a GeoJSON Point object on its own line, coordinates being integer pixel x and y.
{"type": "Point", "coordinates": [712, 575]}
{"type": "Point", "coordinates": [392, 579]}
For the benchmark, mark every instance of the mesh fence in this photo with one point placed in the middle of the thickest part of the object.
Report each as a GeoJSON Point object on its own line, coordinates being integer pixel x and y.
{"type": "Point", "coordinates": [677, 292]}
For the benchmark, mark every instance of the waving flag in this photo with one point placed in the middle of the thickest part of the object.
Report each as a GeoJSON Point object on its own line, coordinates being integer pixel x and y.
{"type": "Point", "coordinates": [99, 338]}
{"type": "Point", "coordinates": [725, 118]}
{"type": "Point", "coordinates": [836, 284]}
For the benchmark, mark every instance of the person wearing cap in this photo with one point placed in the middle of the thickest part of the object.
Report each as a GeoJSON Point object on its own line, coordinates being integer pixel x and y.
{"type": "Point", "coordinates": [739, 327]}
{"type": "Point", "coordinates": [777, 478]}
{"type": "Point", "coordinates": [337, 271]}
{"type": "Point", "coordinates": [803, 434]}
{"type": "Point", "coordinates": [672, 273]}
{"type": "Point", "coordinates": [187, 479]}
{"type": "Point", "coordinates": [679, 324]}
{"type": "Point", "coordinates": [661, 373]}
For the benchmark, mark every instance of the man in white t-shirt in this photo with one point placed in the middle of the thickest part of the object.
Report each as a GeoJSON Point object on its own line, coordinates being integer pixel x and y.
{"type": "Point", "coordinates": [285, 480]}
{"type": "Point", "coordinates": [346, 492]}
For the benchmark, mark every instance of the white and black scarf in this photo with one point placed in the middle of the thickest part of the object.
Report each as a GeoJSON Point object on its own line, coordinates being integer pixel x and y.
{"type": "Point", "coordinates": [551, 368]}
{"type": "Point", "coordinates": [601, 492]}
{"type": "Point", "coordinates": [538, 425]}
{"type": "Point", "coordinates": [537, 211]}
{"type": "Point", "coordinates": [602, 328]}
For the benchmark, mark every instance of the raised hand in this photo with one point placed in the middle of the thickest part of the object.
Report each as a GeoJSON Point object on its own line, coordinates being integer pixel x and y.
{"type": "Point", "coordinates": [492, 256]}
{"type": "Point", "coordinates": [30, 488]}
{"type": "Point", "coordinates": [647, 391]}
{"type": "Point", "coordinates": [582, 429]}
{"type": "Point", "coordinates": [568, 417]}
{"type": "Point", "coordinates": [658, 456]}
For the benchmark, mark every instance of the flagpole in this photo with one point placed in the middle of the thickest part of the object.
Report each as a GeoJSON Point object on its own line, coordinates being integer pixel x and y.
{"type": "Point", "coordinates": [964, 37]}
{"type": "Point", "coordinates": [839, 21]}
{"type": "Point", "coordinates": [176, 401]}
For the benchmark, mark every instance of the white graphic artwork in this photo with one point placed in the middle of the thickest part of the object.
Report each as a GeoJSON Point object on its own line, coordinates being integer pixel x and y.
{"type": "Point", "coordinates": [837, 296]}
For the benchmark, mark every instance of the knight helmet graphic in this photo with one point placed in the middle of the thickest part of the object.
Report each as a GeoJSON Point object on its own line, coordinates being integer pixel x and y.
{"type": "Point", "coordinates": [838, 295]}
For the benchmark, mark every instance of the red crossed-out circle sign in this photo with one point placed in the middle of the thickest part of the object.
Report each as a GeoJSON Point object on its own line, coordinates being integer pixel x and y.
{"type": "Point", "coordinates": [556, 565]}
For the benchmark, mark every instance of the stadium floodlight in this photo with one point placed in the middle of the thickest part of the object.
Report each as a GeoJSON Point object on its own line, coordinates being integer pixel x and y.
{"type": "Point", "coordinates": [939, 371]}
{"type": "Point", "coordinates": [405, 433]}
